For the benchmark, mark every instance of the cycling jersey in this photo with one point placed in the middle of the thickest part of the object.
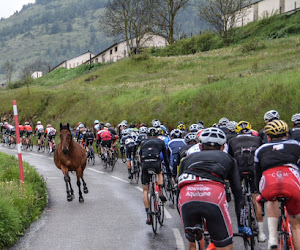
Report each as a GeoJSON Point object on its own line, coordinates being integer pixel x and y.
{"type": "Point", "coordinates": [183, 150]}
{"type": "Point", "coordinates": [40, 130]}
{"type": "Point", "coordinates": [213, 165]}
{"type": "Point", "coordinates": [104, 134]}
{"type": "Point", "coordinates": [295, 133]}
{"type": "Point", "coordinates": [140, 138]}
{"type": "Point", "coordinates": [50, 132]}
{"type": "Point", "coordinates": [10, 129]}
{"type": "Point", "coordinates": [88, 138]}
{"type": "Point", "coordinates": [28, 128]}
{"type": "Point", "coordinates": [173, 152]}
{"type": "Point", "coordinates": [22, 130]}
{"type": "Point", "coordinates": [129, 142]}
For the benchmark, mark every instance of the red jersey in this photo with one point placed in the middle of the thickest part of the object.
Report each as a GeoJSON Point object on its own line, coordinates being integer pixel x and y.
{"type": "Point", "coordinates": [28, 128]}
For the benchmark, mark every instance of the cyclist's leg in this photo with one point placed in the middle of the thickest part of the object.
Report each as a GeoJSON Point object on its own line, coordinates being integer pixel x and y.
{"type": "Point", "coordinates": [145, 179]}
{"type": "Point", "coordinates": [295, 225]}
{"type": "Point", "coordinates": [128, 161]}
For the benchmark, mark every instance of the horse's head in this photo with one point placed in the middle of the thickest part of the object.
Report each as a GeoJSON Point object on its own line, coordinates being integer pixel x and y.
{"type": "Point", "coordinates": [65, 138]}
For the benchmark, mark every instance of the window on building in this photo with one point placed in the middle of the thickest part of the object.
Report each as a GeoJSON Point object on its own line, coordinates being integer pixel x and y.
{"type": "Point", "coordinates": [103, 58]}
{"type": "Point", "coordinates": [116, 49]}
{"type": "Point", "coordinates": [111, 51]}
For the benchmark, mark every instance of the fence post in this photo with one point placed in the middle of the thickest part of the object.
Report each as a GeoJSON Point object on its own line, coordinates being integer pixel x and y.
{"type": "Point", "coordinates": [18, 141]}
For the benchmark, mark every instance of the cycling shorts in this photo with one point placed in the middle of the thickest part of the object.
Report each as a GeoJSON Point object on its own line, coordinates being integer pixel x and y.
{"type": "Point", "coordinates": [40, 134]}
{"type": "Point", "coordinates": [206, 199]}
{"type": "Point", "coordinates": [28, 133]}
{"type": "Point", "coordinates": [89, 142]}
{"type": "Point", "coordinates": [283, 181]}
{"type": "Point", "coordinates": [252, 182]}
{"type": "Point", "coordinates": [155, 165]}
{"type": "Point", "coordinates": [106, 143]}
{"type": "Point", "coordinates": [128, 151]}
{"type": "Point", "coordinates": [51, 137]}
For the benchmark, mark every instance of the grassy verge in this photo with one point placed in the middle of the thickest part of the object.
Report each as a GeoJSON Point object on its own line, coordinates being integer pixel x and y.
{"type": "Point", "coordinates": [20, 204]}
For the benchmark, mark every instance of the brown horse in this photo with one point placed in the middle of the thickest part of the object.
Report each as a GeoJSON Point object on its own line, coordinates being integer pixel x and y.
{"type": "Point", "coordinates": [70, 156]}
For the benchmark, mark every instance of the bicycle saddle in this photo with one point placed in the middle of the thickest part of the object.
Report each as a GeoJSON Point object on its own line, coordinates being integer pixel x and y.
{"type": "Point", "coordinates": [194, 233]}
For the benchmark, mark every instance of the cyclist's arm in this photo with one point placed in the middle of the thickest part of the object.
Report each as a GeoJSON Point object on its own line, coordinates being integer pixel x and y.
{"type": "Point", "coordinates": [235, 184]}
{"type": "Point", "coordinates": [166, 159]}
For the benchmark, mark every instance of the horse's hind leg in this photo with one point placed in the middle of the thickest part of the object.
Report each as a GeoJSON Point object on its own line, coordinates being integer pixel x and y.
{"type": "Point", "coordinates": [85, 189]}
{"type": "Point", "coordinates": [71, 189]}
{"type": "Point", "coordinates": [68, 181]}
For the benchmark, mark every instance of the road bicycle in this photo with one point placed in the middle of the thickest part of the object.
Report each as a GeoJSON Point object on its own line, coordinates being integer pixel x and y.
{"type": "Point", "coordinates": [41, 147]}
{"type": "Point", "coordinates": [285, 235]}
{"type": "Point", "coordinates": [90, 155]}
{"type": "Point", "coordinates": [156, 205]}
{"type": "Point", "coordinates": [52, 149]}
{"type": "Point", "coordinates": [123, 154]}
{"type": "Point", "coordinates": [27, 144]}
{"type": "Point", "coordinates": [12, 142]}
{"type": "Point", "coordinates": [106, 159]}
{"type": "Point", "coordinates": [169, 186]}
{"type": "Point", "coordinates": [135, 167]}
{"type": "Point", "coordinates": [251, 220]}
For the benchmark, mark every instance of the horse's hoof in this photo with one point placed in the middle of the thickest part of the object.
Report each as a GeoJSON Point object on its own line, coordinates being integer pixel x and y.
{"type": "Point", "coordinates": [81, 200]}
{"type": "Point", "coordinates": [85, 190]}
{"type": "Point", "coordinates": [70, 198]}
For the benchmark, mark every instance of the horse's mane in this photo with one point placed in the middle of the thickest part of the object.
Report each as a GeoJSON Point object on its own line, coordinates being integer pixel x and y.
{"type": "Point", "coordinates": [65, 126]}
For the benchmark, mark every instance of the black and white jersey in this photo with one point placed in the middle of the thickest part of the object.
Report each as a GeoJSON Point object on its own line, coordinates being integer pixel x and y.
{"type": "Point", "coordinates": [295, 133]}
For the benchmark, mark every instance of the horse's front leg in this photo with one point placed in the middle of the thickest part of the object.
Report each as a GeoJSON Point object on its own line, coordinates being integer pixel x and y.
{"type": "Point", "coordinates": [68, 182]}
{"type": "Point", "coordinates": [85, 189]}
{"type": "Point", "coordinates": [80, 193]}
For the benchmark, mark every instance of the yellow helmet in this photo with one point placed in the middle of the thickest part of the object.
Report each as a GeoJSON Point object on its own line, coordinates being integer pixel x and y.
{"type": "Point", "coordinates": [160, 131]}
{"type": "Point", "coordinates": [276, 127]}
{"type": "Point", "coordinates": [242, 127]}
{"type": "Point", "coordinates": [181, 126]}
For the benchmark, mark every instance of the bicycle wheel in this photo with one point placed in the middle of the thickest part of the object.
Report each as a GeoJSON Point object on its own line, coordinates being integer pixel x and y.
{"type": "Point", "coordinates": [123, 156]}
{"type": "Point", "coordinates": [30, 145]}
{"type": "Point", "coordinates": [161, 212]}
{"type": "Point", "coordinates": [115, 152]}
{"type": "Point", "coordinates": [137, 172]}
{"type": "Point", "coordinates": [112, 161]}
{"type": "Point", "coordinates": [153, 211]}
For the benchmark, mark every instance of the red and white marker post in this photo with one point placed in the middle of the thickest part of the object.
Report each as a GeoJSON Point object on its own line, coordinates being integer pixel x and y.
{"type": "Point", "coordinates": [18, 141]}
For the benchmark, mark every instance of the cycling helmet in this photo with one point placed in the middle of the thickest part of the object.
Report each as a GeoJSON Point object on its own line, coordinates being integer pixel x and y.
{"type": "Point", "coordinates": [79, 123]}
{"type": "Point", "coordinates": [26, 123]}
{"type": "Point", "coordinates": [213, 137]}
{"type": "Point", "coordinates": [231, 126]}
{"type": "Point", "coordinates": [176, 133]}
{"type": "Point", "coordinates": [125, 132]}
{"type": "Point", "coordinates": [154, 120]}
{"type": "Point", "coordinates": [143, 125]}
{"type": "Point", "coordinates": [38, 123]}
{"type": "Point", "coordinates": [180, 122]}
{"type": "Point", "coordinates": [49, 125]}
{"type": "Point", "coordinates": [152, 131]}
{"type": "Point", "coordinates": [242, 127]}
{"type": "Point", "coordinates": [88, 130]}
{"type": "Point", "coordinates": [296, 118]}
{"type": "Point", "coordinates": [277, 128]}
{"type": "Point", "coordinates": [81, 126]}
{"type": "Point", "coordinates": [96, 122]}
{"type": "Point", "coordinates": [223, 121]}
{"type": "Point", "coordinates": [216, 125]}
{"type": "Point", "coordinates": [132, 125]}
{"type": "Point", "coordinates": [195, 127]}
{"type": "Point", "coordinates": [160, 131]}
{"type": "Point", "coordinates": [156, 124]}
{"type": "Point", "coordinates": [190, 137]}
{"type": "Point", "coordinates": [181, 127]}
{"type": "Point", "coordinates": [271, 115]}
{"type": "Point", "coordinates": [107, 124]}
{"type": "Point", "coordinates": [143, 130]}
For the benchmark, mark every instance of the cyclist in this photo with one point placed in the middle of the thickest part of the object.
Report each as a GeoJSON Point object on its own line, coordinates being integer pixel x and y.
{"type": "Point", "coordinates": [242, 148]}
{"type": "Point", "coordinates": [51, 133]}
{"type": "Point", "coordinates": [181, 127]}
{"type": "Point", "coordinates": [278, 163]}
{"type": "Point", "coordinates": [128, 141]}
{"type": "Point", "coordinates": [22, 130]}
{"type": "Point", "coordinates": [202, 192]}
{"type": "Point", "coordinates": [174, 146]}
{"type": "Point", "coordinates": [28, 130]}
{"type": "Point", "coordinates": [9, 130]}
{"type": "Point", "coordinates": [295, 131]}
{"type": "Point", "coordinates": [150, 158]}
{"type": "Point", "coordinates": [190, 140]}
{"type": "Point", "coordinates": [231, 132]}
{"type": "Point", "coordinates": [104, 136]}
{"type": "Point", "coordinates": [96, 127]}
{"type": "Point", "coordinates": [223, 122]}
{"type": "Point", "coordinates": [269, 116]}
{"type": "Point", "coordinates": [39, 129]}
{"type": "Point", "coordinates": [88, 138]}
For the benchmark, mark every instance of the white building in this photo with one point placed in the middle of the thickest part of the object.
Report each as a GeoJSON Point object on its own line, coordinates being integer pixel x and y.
{"type": "Point", "coordinates": [76, 61]}
{"type": "Point", "coordinates": [259, 9]}
{"type": "Point", "coordinates": [36, 74]}
{"type": "Point", "coordinates": [120, 50]}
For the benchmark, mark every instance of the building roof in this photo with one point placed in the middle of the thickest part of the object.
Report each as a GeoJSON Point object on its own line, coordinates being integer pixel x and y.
{"type": "Point", "coordinates": [250, 2]}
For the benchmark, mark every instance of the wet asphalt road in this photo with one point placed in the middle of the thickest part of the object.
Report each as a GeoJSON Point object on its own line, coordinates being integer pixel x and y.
{"type": "Point", "coordinates": [111, 217]}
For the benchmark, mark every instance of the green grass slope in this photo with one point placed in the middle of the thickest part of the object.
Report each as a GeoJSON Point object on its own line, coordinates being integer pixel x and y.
{"type": "Point", "coordinates": [227, 82]}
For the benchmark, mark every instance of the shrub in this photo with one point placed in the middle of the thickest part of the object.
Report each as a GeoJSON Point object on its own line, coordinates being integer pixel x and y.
{"type": "Point", "coordinates": [252, 45]}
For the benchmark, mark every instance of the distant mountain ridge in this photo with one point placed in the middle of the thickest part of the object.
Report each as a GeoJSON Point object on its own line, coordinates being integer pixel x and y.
{"type": "Point", "coordinates": [51, 31]}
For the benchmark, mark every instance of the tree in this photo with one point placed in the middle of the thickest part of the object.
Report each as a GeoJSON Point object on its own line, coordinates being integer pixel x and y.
{"type": "Point", "coordinates": [9, 68]}
{"type": "Point", "coordinates": [165, 13]}
{"type": "Point", "coordinates": [223, 15]}
{"type": "Point", "coordinates": [129, 20]}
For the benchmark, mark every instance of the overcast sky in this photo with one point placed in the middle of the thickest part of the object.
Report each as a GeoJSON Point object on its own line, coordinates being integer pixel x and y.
{"type": "Point", "coordinates": [8, 7]}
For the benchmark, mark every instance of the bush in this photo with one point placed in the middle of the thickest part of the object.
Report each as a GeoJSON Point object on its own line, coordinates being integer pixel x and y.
{"type": "Point", "coordinates": [252, 46]}
{"type": "Point", "coordinates": [20, 204]}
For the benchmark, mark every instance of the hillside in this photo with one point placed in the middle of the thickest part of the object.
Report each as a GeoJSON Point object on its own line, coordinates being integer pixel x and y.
{"type": "Point", "coordinates": [52, 31]}
{"type": "Point", "coordinates": [231, 82]}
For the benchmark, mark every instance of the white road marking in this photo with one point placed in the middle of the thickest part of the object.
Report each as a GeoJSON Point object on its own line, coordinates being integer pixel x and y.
{"type": "Point", "coordinates": [36, 154]}
{"type": "Point", "coordinates": [139, 188]}
{"type": "Point", "coordinates": [97, 171]}
{"type": "Point", "coordinates": [179, 239]}
{"type": "Point", "coordinates": [119, 179]}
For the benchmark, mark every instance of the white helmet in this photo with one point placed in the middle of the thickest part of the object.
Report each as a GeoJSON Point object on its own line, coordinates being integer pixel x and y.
{"type": "Point", "coordinates": [271, 115]}
{"type": "Point", "coordinates": [108, 125]}
{"type": "Point", "coordinates": [156, 124]}
{"type": "Point", "coordinates": [231, 125]}
{"type": "Point", "coordinates": [96, 122]}
{"type": "Point", "coordinates": [176, 133]}
{"type": "Point", "coordinates": [213, 136]}
{"type": "Point", "coordinates": [296, 118]}
{"type": "Point", "coordinates": [195, 127]}
{"type": "Point", "coordinates": [143, 130]}
{"type": "Point", "coordinates": [38, 123]}
{"type": "Point", "coordinates": [223, 121]}
{"type": "Point", "coordinates": [125, 132]}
